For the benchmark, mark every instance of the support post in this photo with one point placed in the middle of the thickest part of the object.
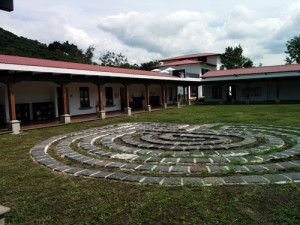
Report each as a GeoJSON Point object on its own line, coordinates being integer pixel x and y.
{"type": "Point", "coordinates": [148, 106]}
{"type": "Point", "coordinates": [14, 124]}
{"type": "Point", "coordinates": [163, 94]}
{"type": "Point", "coordinates": [277, 92]}
{"type": "Point", "coordinates": [248, 93]}
{"type": "Point", "coordinates": [177, 104]}
{"type": "Point", "coordinates": [65, 118]}
{"type": "Point", "coordinates": [188, 96]}
{"type": "Point", "coordinates": [197, 93]}
{"type": "Point", "coordinates": [184, 95]}
{"type": "Point", "coordinates": [127, 110]}
{"type": "Point", "coordinates": [101, 112]}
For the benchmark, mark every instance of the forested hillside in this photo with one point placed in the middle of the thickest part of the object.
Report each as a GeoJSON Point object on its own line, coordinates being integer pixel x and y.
{"type": "Point", "coordinates": [11, 44]}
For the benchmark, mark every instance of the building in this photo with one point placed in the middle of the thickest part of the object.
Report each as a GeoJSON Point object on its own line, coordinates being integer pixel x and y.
{"type": "Point", "coordinates": [268, 84]}
{"type": "Point", "coordinates": [190, 66]}
{"type": "Point", "coordinates": [42, 90]}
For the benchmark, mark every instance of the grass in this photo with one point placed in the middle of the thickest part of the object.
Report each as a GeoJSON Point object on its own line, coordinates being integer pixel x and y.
{"type": "Point", "coordinates": [37, 195]}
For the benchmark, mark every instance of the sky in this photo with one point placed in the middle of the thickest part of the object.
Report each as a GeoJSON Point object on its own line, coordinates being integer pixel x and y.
{"type": "Point", "coordinates": [144, 30]}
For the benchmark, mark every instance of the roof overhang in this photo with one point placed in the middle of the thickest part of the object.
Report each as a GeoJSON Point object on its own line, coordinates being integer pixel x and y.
{"type": "Point", "coordinates": [237, 77]}
{"type": "Point", "coordinates": [77, 72]}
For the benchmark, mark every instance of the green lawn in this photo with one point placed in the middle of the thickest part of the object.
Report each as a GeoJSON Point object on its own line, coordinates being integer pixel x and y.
{"type": "Point", "coordinates": [38, 196]}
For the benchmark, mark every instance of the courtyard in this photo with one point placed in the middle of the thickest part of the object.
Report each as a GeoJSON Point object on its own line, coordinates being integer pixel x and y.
{"type": "Point", "coordinates": [199, 164]}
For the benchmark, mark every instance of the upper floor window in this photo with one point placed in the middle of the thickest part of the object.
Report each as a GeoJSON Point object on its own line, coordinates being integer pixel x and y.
{"type": "Point", "coordinates": [204, 71]}
{"type": "Point", "coordinates": [84, 97]}
{"type": "Point", "coordinates": [179, 73]}
{"type": "Point", "coordinates": [109, 96]}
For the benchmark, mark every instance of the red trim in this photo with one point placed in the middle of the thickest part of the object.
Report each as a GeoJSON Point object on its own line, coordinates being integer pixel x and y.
{"type": "Point", "coordinates": [189, 56]}
{"type": "Point", "coordinates": [182, 62]}
{"type": "Point", "coordinates": [254, 70]}
{"type": "Point", "coordinates": [7, 59]}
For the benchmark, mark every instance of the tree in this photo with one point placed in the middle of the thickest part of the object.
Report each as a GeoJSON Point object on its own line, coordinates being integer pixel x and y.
{"type": "Point", "coordinates": [114, 60]}
{"type": "Point", "coordinates": [233, 58]}
{"type": "Point", "coordinates": [149, 65]}
{"type": "Point", "coordinates": [293, 49]}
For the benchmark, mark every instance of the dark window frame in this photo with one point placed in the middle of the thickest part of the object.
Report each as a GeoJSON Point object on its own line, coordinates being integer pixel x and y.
{"type": "Point", "coordinates": [109, 96]}
{"type": "Point", "coordinates": [84, 97]}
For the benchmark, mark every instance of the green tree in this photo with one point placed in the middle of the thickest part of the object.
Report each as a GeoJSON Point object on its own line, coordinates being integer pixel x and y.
{"type": "Point", "coordinates": [114, 60]}
{"type": "Point", "coordinates": [233, 58]}
{"type": "Point", "coordinates": [149, 65]}
{"type": "Point", "coordinates": [293, 49]}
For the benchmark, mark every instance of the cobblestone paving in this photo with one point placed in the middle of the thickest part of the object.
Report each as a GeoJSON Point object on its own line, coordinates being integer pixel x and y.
{"type": "Point", "coordinates": [179, 154]}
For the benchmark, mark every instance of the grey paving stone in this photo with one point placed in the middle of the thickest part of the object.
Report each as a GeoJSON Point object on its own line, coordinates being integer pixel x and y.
{"type": "Point", "coordinates": [213, 180]}
{"type": "Point", "coordinates": [186, 160]}
{"type": "Point", "coordinates": [152, 180]}
{"type": "Point", "coordinates": [115, 165]}
{"type": "Point", "coordinates": [87, 172]}
{"type": "Point", "coordinates": [133, 178]}
{"type": "Point", "coordinates": [162, 168]}
{"type": "Point", "coordinates": [233, 180]}
{"type": "Point", "coordinates": [276, 178]}
{"type": "Point", "coordinates": [180, 169]}
{"type": "Point", "coordinates": [172, 181]}
{"type": "Point", "coordinates": [144, 168]}
{"type": "Point", "coordinates": [73, 170]}
{"type": "Point", "coordinates": [293, 176]}
{"type": "Point", "coordinates": [100, 174]}
{"type": "Point", "coordinates": [117, 176]}
{"type": "Point", "coordinates": [254, 179]}
{"type": "Point", "coordinates": [192, 181]}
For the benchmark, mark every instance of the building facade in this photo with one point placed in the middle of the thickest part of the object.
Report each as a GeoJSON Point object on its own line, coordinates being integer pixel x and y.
{"type": "Point", "coordinates": [41, 90]}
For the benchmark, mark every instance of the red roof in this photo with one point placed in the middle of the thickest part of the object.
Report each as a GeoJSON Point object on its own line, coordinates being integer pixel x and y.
{"type": "Point", "coordinates": [181, 62]}
{"type": "Point", "coordinates": [190, 56]}
{"type": "Point", "coordinates": [7, 59]}
{"type": "Point", "coordinates": [254, 70]}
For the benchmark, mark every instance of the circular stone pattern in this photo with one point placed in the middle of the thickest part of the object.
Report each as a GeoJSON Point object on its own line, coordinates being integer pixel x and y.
{"type": "Point", "coordinates": [178, 154]}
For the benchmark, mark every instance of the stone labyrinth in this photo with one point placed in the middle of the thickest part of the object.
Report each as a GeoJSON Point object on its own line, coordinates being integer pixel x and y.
{"type": "Point", "coordinates": [177, 154]}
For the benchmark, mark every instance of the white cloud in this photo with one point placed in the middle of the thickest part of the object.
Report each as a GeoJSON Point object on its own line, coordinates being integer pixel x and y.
{"type": "Point", "coordinates": [148, 33]}
{"type": "Point", "coordinates": [184, 32]}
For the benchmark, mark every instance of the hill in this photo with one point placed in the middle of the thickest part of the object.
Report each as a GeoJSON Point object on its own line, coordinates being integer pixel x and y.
{"type": "Point", "coordinates": [11, 44]}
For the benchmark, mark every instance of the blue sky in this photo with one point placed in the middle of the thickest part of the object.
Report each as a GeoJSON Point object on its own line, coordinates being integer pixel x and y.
{"type": "Point", "coordinates": [146, 30]}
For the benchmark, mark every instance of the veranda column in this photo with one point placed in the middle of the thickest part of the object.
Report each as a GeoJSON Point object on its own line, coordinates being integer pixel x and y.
{"type": "Point", "coordinates": [177, 98]}
{"type": "Point", "coordinates": [13, 124]}
{"type": "Point", "coordinates": [277, 92]}
{"type": "Point", "coordinates": [65, 118]}
{"type": "Point", "coordinates": [101, 112]}
{"type": "Point", "coordinates": [188, 96]}
{"type": "Point", "coordinates": [184, 95]}
{"type": "Point", "coordinates": [148, 106]}
{"type": "Point", "coordinates": [127, 110]}
{"type": "Point", "coordinates": [248, 93]}
{"type": "Point", "coordinates": [163, 95]}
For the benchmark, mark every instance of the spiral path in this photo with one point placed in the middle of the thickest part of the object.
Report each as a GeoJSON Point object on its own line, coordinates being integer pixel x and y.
{"type": "Point", "coordinates": [178, 154]}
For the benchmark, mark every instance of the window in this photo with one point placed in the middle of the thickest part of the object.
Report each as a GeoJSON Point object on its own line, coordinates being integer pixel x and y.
{"type": "Point", "coordinates": [204, 71]}
{"type": "Point", "coordinates": [217, 92]}
{"type": "Point", "coordinates": [179, 73]}
{"type": "Point", "coordinates": [84, 97]}
{"type": "Point", "coordinates": [109, 96]}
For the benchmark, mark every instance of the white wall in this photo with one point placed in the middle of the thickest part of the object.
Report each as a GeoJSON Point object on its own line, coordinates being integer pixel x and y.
{"type": "Point", "coordinates": [35, 92]}
{"type": "Point", "coordinates": [74, 98]}
{"type": "Point", "coordinates": [116, 97]}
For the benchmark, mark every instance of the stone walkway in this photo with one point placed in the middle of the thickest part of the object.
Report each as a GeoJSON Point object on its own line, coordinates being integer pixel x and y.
{"type": "Point", "coordinates": [179, 154]}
